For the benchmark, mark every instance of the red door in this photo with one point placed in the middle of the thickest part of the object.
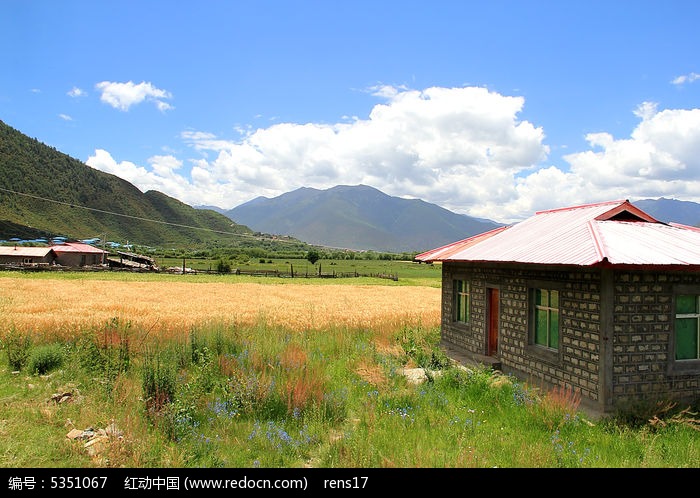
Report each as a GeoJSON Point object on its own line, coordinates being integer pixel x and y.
{"type": "Point", "coordinates": [492, 342]}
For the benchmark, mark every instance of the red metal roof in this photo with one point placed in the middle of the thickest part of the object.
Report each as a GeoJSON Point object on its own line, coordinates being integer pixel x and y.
{"type": "Point", "coordinates": [20, 251]}
{"type": "Point", "coordinates": [77, 247]}
{"type": "Point", "coordinates": [614, 232]}
{"type": "Point", "coordinates": [443, 252]}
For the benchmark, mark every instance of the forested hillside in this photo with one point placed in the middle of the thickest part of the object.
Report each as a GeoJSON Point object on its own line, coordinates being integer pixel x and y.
{"type": "Point", "coordinates": [44, 192]}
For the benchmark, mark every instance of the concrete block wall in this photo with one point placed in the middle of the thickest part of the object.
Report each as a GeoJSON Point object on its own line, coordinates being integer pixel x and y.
{"type": "Point", "coordinates": [640, 364]}
{"type": "Point", "coordinates": [576, 363]}
{"type": "Point", "coordinates": [644, 365]}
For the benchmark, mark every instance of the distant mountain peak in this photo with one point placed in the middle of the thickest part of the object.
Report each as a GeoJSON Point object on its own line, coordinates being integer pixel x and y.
{"type": "Point", "coordinates": [358, 217]}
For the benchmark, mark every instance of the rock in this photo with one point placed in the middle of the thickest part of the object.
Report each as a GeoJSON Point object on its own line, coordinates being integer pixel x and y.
{"type": "Point", "coordinates": [414, 375]}
{"type": "Point", "coordinates": [97, 440]}
{"type": "Point", "coordinates": [75, 434]}
{"type": "Point", "coordinates": [96, 445]}
{"type": "Point", "coordinates": [61, 397]}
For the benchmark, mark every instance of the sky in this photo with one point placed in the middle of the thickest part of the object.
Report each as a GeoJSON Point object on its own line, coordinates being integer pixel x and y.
{"type": "Point", "coordinates": [491, 109]}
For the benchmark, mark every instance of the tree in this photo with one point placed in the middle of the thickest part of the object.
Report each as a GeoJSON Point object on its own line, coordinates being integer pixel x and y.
{"type": "Point", "coordinates": [223, 266]}
{"type": "Point", "coordinates": [312, 256]}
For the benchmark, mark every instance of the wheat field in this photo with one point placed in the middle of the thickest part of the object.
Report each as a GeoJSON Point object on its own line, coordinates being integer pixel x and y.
{"type": "Point", "coordinates": [61, 306]}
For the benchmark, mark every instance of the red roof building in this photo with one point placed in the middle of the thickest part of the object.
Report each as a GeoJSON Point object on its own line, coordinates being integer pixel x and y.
{"type": "Point", "coordinates": [600, 298]}
{"type": "Point", "coordinates": [76, 254]}
{"type": "Point", "coordinates": [18, 255]}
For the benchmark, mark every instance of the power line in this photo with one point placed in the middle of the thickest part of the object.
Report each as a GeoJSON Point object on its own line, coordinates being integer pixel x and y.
{"type": "Point", "coordinates": [135, 217]}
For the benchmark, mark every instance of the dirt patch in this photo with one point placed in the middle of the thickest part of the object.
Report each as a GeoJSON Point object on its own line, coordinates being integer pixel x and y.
{"type": "Point", "coordinates": [372, 374]}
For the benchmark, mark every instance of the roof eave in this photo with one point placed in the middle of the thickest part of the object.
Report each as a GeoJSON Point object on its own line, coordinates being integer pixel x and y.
{"type": "Point", "coordinates": [603, 264]}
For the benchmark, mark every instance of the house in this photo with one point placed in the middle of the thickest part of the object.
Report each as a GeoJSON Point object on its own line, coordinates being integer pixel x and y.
{"type": "Point", "coordinates": [77, 254]}
{"type": "Point", "coordinates": [600, 298]}
{"type": "Point", "coordinates": [20, 255]}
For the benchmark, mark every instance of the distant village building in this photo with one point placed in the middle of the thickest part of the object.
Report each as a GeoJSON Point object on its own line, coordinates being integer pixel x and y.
{"type": "Point", "coordinates": [68, 254]}
{"type": "Point", "coordinates": [20, 255]}
{"type": "Point", "coordinates": [602, 299]}
{"type": "Point", "coordinates": [77, 254]}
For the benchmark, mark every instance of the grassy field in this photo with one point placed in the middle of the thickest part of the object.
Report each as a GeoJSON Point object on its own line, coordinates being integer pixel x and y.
{"type": "Point", "coordinates": [403, 269]}
{"type": "Point", "coordinates": [187, 371]}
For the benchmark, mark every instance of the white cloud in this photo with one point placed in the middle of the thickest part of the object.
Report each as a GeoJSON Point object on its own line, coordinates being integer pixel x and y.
{"type": "Point", "coordinates": [454, 142]}
{"type": "Point", "coordinates": [385, 91]}
{"type": "Point", "coordinates": [646, 110]}
{"type": "Point", "coordinates": [76, 92]}
{"type": "Point", "coordinates": [65, 117]}
{"type": "Point", "coordinates": [124, 95]}
{"type": "Point", "coordinates": [661, 158]}
{"type": "Point", "coordinates": [203, 141]}
{"type": "Point", "coordinates": [461, 148]}
{"type": "Point", "coordinates": [686, 78]}
{"type": "Point", "coordinates": [162, 175]}
{"type": "Point", "coordinates": [163, 106]}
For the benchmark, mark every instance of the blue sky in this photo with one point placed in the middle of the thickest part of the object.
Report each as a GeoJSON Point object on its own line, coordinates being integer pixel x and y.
{"type": "Point", "coordinates": [492, 109]}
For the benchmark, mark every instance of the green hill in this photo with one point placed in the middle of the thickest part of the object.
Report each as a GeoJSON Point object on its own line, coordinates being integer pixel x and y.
{"type": "Point", "coordinates": [44, 192]}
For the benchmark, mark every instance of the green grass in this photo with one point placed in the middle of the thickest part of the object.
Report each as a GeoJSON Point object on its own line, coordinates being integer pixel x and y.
{"type": "Point", "coordinates": [409, 273]}
{"type": "Point", "coordinates": [265, 396]}
{"type": "Point", "coordinates": [403, 269]}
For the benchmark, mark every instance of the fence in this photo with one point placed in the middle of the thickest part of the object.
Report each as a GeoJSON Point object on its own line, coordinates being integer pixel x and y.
{"type": "Point", "coordinates": [285, 274]}
{"type": "Point", "coordinates": [189, 271]}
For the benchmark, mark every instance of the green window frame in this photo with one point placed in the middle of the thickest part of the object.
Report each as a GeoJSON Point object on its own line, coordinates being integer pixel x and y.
{"type": "Point", "coordinates": [687, 327]}
{"type": "Point", "coordinates": [546, 318]}
{"type": "Point", "coordinates": [462, 300]}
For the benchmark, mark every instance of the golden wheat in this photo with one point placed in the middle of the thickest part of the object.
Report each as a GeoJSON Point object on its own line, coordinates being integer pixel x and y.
{"type": "Point", "coordinates": [29, 305]}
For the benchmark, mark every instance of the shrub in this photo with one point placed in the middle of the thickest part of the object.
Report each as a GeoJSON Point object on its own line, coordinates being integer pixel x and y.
{"type": "Point", "coordinates": [639, 413]}
{"type": "Point", "coordinates": [106, 351]}
{"type": "Point", "coordinates": [158, 384]}
{"type": "Point", "coordinates": [45, 358]}
{"type": "Point", "coordinates": [17, 347]}
{"type": "Point", "coordinates": [416, 346]}
{"type": "Point", "coordinates": [223, 266]}
{"type": "Point", "coordinates": [200, 353]}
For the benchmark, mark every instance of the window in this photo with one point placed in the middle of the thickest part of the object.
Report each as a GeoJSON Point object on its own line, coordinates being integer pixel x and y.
{"type": "Point", "coordinates": [546, 318]}
{"type": "Point", "coordinates": [461, 290]}
{"type": "Point", "coordinates": [687, 327]}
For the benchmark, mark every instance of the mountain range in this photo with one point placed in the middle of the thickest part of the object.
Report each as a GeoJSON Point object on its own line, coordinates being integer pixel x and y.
{"type": "Point", "coordinates": [44, 193]}
{"type": "Point", "coordinates": [671, 210]}
{"type": "Point", "coordinates": [357, 217]}
{"type": "Point", "coordinates": [362, 217]}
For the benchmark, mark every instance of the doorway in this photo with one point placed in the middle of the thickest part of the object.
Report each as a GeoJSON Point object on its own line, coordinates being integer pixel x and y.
{"type": "Point", "coordinates": [493, 312]}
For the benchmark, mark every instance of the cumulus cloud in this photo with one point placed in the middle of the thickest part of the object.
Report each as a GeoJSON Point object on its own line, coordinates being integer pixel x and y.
{"type": "Point", "coordinates": [161, 176]}
{"type": "Point", "coordinates": [660, 158]}
{"type": "Point", "coordinates": [464, 149]}
{"type": "Point", "coordinates": [124, 95]}
{"type": "Point", "coordinates": [65, 117]}
{"type": "Point", "coordinates": [455, 144]}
